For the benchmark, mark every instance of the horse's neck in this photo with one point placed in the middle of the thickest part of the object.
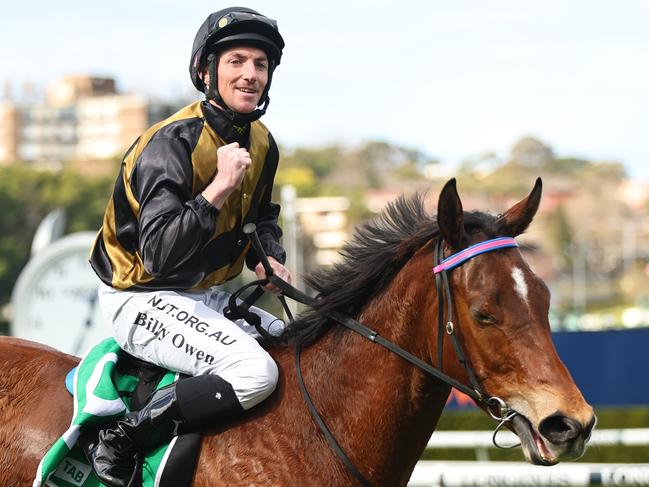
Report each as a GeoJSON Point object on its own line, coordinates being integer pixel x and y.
{"type": "Point", "coordinates": [380, 408]}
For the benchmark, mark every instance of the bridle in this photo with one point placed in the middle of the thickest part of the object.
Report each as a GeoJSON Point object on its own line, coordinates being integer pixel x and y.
{"type": "Point", "coordinates": [504, 413]}
{"type": "Point", "coordinates": [495, 406]}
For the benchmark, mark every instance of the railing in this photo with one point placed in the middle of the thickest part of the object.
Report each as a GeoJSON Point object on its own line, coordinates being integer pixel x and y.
{"type": "Point", "coordinates": [519, 474]}
{"type": "Point", "coordinates": [481, 441]}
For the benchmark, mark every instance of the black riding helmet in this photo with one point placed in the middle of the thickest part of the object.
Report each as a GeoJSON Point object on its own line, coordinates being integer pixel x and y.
{"type": "Point", "coordinates": [231, 27]}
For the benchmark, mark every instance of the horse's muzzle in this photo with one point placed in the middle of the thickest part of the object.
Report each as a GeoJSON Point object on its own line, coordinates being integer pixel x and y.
{"type": "Point", "coordinates": [558, 438]}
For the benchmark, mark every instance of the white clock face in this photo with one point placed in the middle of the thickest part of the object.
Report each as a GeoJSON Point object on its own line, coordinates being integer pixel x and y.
{"type": "Point", "coordinates": [55, 298]}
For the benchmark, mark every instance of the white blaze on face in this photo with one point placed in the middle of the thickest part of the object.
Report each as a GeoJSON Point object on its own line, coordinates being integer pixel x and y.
{"type": "Point", "coordinates": [520, 284]}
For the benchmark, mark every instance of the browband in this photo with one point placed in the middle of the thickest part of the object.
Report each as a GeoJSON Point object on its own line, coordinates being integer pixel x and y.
{"type": "Point", "coordinates": [470, 252]}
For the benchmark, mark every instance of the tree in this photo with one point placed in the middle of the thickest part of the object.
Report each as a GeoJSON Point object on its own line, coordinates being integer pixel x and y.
{"type": "Point", "coordinates": [27, 196]}
{"type": "Point", "coordinates": [302, 178]}
{"type": "Point", "coordinates": [561, 235]}
{"type": "Point", "coordinates": [321, 161]}
{"type": "Point", "coordinates": [531, 152]}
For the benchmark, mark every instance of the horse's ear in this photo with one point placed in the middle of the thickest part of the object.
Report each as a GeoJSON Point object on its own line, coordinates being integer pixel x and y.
{"type": "Point", "coordinates": [450, 216]}
{"type": "Point", "coordinates": [516, 220]}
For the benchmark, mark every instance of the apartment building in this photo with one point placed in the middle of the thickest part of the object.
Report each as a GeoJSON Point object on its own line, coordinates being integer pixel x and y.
{"type": "Point", "coordinates": [83, 118]}
{"type": "Point", "coordinates": [8, 132]}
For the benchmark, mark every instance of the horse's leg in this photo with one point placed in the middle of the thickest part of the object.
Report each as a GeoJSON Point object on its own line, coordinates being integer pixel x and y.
{"type": "Point", "coordinates": [35, 408]}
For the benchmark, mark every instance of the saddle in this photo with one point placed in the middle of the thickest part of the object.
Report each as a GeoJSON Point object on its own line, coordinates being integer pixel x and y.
{"type": "Point", "coordinates": [143, 379]}
{"type": "Point", "coordinates": [147, 376]}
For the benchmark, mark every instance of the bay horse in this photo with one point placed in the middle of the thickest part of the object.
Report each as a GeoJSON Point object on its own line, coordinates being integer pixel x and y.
{"type": "Point", "coordinates": [381, 409]}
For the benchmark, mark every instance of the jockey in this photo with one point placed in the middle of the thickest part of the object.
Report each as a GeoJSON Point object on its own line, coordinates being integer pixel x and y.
{"type": "Point", "coordinates": [173, 230]}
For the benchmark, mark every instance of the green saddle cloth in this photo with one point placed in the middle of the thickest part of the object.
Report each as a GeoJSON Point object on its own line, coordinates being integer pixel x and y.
{"type": "Point", "coordinates": [101, 394]}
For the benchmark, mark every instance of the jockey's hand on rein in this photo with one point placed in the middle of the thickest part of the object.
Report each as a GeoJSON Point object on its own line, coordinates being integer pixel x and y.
{"type": "Point", "coordinates": [278, 269]}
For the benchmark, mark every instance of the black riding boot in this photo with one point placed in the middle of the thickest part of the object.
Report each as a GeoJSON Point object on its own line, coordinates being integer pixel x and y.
{"type": "Point", "coordinates": [183, 406]}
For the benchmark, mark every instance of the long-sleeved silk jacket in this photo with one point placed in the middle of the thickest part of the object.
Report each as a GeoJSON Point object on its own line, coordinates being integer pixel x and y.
{"type": "Point", "coordinates": [160, 233]}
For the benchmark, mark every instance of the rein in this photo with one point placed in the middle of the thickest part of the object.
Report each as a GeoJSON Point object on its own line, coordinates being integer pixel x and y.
{"type": "Point", "coordinates": [442, 266]}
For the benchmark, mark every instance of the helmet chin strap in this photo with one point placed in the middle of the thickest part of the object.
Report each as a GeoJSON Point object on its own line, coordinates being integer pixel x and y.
{"type": "Point", "coordinates": [212, 93]}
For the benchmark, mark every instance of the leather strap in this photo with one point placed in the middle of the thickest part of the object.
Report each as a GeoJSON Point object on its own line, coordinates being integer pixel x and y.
{"type": "Point", "coordinates": [374, 336]}
{"type": "Point", "coordinates": [333, 443]}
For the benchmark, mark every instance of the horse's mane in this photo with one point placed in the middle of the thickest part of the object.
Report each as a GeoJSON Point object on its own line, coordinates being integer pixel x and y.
{"type": "Point", "coordinates": [378, 249]}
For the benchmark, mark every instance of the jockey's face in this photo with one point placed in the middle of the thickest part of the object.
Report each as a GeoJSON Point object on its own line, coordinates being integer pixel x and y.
{"type": "Point", "coordinates": [242, 76]}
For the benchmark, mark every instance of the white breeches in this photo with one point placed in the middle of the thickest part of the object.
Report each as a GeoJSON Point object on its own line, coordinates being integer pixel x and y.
{"type": "Point", "coordinates": [186, 332]}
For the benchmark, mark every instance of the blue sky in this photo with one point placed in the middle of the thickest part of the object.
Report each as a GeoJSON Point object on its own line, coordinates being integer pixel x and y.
{"type": "Point", "coordinates": [453, 79]}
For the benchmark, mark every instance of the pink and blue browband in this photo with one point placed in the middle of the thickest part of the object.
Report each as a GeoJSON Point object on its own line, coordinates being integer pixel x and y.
{"type": "Point", "coordinates": [470, 252]}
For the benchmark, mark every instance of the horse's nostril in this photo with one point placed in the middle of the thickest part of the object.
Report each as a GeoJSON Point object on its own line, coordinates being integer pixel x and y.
{"type": "Point", "coordinates": [559, 428]}
{"type": "Point", "coordinates": [589, 427]}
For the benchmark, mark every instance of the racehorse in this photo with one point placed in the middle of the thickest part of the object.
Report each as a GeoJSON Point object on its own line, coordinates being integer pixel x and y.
{"type": "Point", "coordinates": [381, 409]}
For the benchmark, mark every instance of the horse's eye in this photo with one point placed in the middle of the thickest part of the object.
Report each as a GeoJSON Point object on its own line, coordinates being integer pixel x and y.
{"type": "Point", "coordinates": [483, 317]}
